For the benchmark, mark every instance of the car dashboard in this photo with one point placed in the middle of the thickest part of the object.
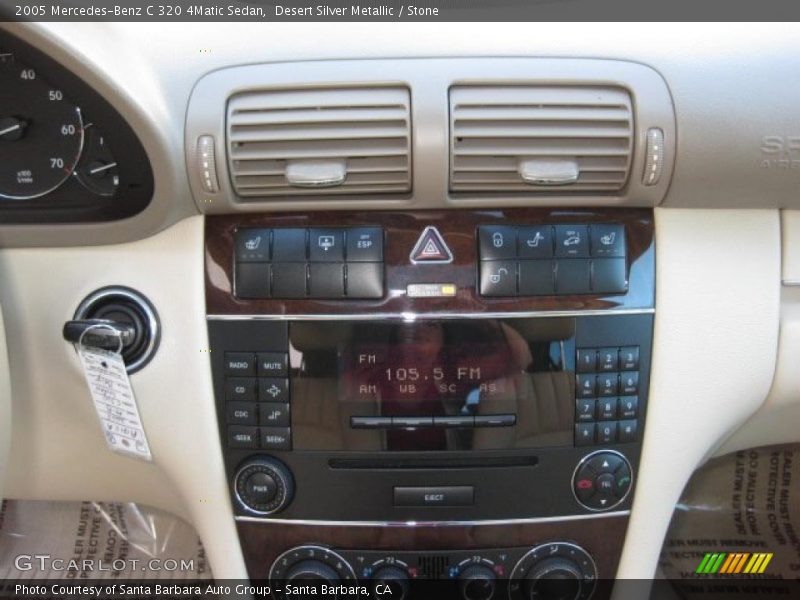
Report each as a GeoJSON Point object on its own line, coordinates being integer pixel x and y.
{"type": "Point", "coordinates": [470, 309]}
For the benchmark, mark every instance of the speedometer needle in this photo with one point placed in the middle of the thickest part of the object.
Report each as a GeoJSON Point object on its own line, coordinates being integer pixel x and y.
{"type": "Point", "coordinates": [97, 170]}
{"type": "Point", "coordinates": [10, 129]}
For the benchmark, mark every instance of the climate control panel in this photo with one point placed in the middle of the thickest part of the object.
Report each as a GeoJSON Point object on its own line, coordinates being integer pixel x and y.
{"type": "Point", "coordinates": [555, 569]}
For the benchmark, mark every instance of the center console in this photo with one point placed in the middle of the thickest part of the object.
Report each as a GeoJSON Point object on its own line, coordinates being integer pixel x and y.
{"type": "Point", "coordinates": [456, 398]}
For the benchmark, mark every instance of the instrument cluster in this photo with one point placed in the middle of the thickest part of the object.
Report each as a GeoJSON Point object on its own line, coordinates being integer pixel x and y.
{"type": "Point", "coordinates": [66, 155]}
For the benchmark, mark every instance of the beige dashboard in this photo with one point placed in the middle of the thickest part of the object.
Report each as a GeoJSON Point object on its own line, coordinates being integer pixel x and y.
{"type": "Point", "coordinates": [725, 338]}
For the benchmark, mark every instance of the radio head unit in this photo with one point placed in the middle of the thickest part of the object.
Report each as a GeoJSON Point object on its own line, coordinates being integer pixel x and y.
{"type": "Point", "coordinates": [431, 418]}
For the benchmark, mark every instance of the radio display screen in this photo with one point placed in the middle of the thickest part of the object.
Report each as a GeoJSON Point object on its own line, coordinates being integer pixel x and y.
{"type": "Point", "coordinates": [472, 384]}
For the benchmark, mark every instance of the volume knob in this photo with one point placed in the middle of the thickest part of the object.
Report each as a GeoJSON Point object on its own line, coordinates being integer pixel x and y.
{"type": "Point", "coordinates": [264, 485]}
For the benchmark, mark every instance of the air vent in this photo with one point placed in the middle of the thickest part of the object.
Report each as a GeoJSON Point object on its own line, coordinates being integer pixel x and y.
{"type": "Point", "coordinates": [552, 139]}
{"type": "Point", "coordinates": [320, 141]}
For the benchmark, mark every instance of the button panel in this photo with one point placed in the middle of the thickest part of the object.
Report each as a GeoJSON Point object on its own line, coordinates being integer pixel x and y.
{"type": "Point", "coordinates": [257, 412]}
{"type": "Point", "coordinates": [602, 480]}
{"type": "Point", "coordinates": [329, 263]}
{"type": "Point", "coordinates": [552, 260]}
{"type": "Point", "coordinates": [606, 395]}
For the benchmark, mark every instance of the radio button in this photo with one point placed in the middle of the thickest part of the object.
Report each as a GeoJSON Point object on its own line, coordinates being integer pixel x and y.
{"type": "Point", "coordinates": [241, 389]}
{"type": "Point", "coordinates": [456, 421]}
{"type": "Point", "coordinates": [273, 364]}
{"type": "Point", "coordinates": [628, 407]}
{"type": "Point", "coordinates": [240, 363]}
{"type": "Point", "coordinates": [365, 244]}
{"type": "Point", "coordinates": [241, 413]}
{"type": "Point", "coordinates": [462, 495]}
{"type": "Point", "coordinates": [276, 438]}
{"type": "Point", "coordinates": [584, 410]}
{"type": "Point", "coordinates": [606, 409]}
{"type": "Point", "coordinates": [242, 437]}
{"type": "Point", "coordinates": [273, 389]}
{"type": "Point", "coordinates": [274, 414]}
{"type": "Point", "coordinates": [584, 434]}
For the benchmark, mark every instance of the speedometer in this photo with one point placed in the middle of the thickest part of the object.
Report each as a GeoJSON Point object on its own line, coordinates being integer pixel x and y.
{"type": "Point", "coordinates": [41, 134]}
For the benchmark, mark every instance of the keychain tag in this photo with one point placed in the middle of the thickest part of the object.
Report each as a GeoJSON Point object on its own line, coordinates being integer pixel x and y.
{"type": "Point", "coordinates": [113, 397]}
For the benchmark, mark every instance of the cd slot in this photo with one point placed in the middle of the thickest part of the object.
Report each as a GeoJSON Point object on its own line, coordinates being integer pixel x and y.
{"type": "Point", "coordinates": [401, 462]}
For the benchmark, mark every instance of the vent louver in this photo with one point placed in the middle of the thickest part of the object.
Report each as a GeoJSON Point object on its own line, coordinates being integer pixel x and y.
{"type": "Point", "coordinates": [532, 139]}
{"type": "Point", "coordinates": [320, 141]}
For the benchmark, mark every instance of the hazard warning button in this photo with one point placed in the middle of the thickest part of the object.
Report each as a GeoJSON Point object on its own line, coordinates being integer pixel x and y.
{"type": "Point", "coordinates": [431, 248]}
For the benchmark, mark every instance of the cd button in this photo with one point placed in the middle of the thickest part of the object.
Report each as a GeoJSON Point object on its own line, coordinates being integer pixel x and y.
{"type": "Point", "coordinates": [242, 389]}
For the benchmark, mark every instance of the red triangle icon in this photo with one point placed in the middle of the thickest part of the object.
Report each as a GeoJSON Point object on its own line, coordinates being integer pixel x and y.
{"type": "Point", "coordinates": [431, 248]}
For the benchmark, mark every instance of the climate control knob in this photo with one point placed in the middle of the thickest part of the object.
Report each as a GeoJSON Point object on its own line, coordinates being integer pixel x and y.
{"type": "Point", "coordinates": [310, 567]}
{"type": "Point", "coordinates": [477, 582]}
{"type": "Point", "coordinates": [264, 485]}
{"type": "Point", "coordinates": [553, 579]}
{"type": "Point", "coordinates": [390, 581]}
{"type": "Point", "coordinates": [555, 571]}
